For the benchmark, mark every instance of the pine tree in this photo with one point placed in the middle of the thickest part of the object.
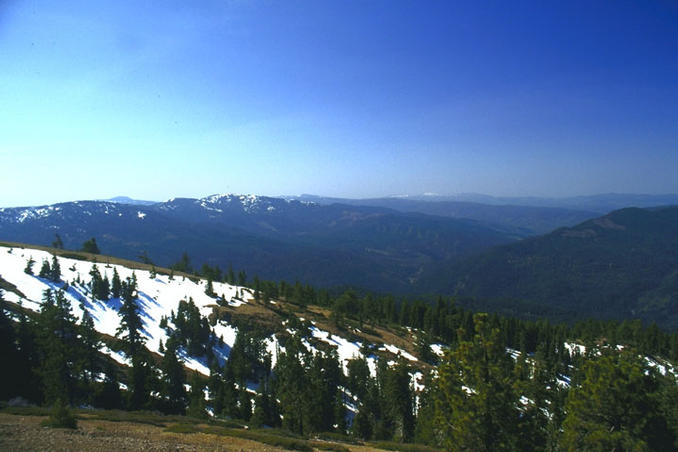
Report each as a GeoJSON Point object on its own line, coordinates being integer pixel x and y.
{"type": "Point", "coordinates": [88, 363]}
{"type": "Point", "coordinates": [90, 246]}
{"type": "Point", "coordinates": [29, 266]}
{"type": "Point", "coordinates": [108, 395]}
{"type": "Point", "coordinates": [265, 408]}
{"type": "Point", "coordinates": [209, 289]}
{"type": "Point", "coordinates": [45, 270]}
{"type": "Point", "coordinates": [358, 377]}
{"type": "Point", "coordinates": [29, 381]}
{"type": "Point", "coordinates": [230, 394]}
{"type": "Point", "coordinates": [184, 264]}
{"type": "Point", "coordinates": [8, 350]}
{"type": "Point", "coordinates": [477, 406]}
{"type": "Point", "coordinates": [99, 286]}
{"type": "Point", "coordinates": [57, 243]}
{"type": "Point", "coordinates": [425, 431]}
{"type": "Point", "coordinates": [215, 386]}
{"type": "Point", "coordinates": [116, 284]}
{"type": "Point", "coordinates": [55, 272]}
{"type": "Point", "coordinates": [142, 380]}
{"type": "Point", "coordinates": [616, 407]}
{"type": "Point", "coordinates": [58, 344]}
{"type": "Point", "coordinates": [291, 385]}
{"type": "Point", "coordinates": [130, 321]}
{"type": "Point", "coordinates": [197, 406]}
{"type": "Point", "coordinates": [142, 374]}
{"type": "Point", "coordinates": [399, 399]}
{"type": "Point", "coordinates": [173, 392]}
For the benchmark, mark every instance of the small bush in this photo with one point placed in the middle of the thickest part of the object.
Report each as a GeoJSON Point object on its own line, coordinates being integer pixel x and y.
{"type": "Point", "coordinates": [61, 417]}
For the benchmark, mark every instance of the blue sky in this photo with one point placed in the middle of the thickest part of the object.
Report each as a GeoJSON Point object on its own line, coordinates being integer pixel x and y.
{"type": "Point", "coordinates": [155, 99]}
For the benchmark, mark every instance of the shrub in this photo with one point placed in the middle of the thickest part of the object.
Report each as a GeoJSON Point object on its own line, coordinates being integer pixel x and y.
{"type": "Point", "coordinates": [61, 417]}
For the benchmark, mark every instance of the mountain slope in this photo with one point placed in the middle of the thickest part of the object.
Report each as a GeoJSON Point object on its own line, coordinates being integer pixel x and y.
{"type": "Point", "coordinates": [327, 245]}
{"type": "Point", "coordinates": [159, 295]}
{"type": "Point", "coordinates": [524, 220]}
{"type": "Point", "coordinates": [621, 265]}
{"type": "Point", "coordinates": [601, 203]}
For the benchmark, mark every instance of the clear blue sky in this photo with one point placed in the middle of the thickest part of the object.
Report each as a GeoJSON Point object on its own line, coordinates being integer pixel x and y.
{"type": "Point", "coordinates": [155, 99]}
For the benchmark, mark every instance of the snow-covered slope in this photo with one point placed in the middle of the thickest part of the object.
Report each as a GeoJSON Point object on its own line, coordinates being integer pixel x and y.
{"type": "Point", "coordinates": [158, 297]}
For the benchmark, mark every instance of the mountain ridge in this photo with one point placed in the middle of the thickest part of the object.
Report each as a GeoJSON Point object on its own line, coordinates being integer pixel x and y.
{"type": "Point", "coordinates": [329, 245]}
{"type": "Point", "coordinates": [621, 265]}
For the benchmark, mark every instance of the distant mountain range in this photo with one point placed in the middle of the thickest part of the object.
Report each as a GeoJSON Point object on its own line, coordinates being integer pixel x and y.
{"type": "Point", "coordinates": [621, 265]}
{"type": "Point", "coordinates": [521, 220]}
{"type": "Point", "coordinates": [601, 203]}
{"type": "Point", "coordinates": [326, 245]}
{"type": "Point", "coordinates": [128, 200]}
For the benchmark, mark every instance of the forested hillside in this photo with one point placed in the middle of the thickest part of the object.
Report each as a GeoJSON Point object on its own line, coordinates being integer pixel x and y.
{"type": "Point", "coordinates": [87, 329]}
{"type": "Point", "coordinates": [622, 265]}
{"type": "Point", "coordinates": [370, 247]}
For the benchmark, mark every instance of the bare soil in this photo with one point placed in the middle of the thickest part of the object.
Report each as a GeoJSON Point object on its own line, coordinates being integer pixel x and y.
{"type": "Point", "coordinates": [24, 433]}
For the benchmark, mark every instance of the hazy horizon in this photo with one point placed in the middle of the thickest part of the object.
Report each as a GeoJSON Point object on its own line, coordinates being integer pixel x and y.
{"type": "Point", "coordinates": [463, 197]}
{"type": "Point", "coordinates": [349, 99]}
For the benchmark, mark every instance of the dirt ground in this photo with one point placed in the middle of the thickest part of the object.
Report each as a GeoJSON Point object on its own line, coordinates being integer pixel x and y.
{"type": "Point", "coordinates": [24, 433]}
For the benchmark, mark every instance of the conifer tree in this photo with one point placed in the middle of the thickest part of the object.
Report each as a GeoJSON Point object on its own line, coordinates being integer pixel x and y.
{"type": "Point", "coordinates": [58, 344]}
{"type": "Point", "coordinates": [173, 392]}
{"type": "Point", "coordinates": [616, 407]}
{"type": "Point", "coordinates": [291, 385]}
{"type": "Point", "coordinates": [209, 289]}
{"type": "Point", "coordinates": [230, 394]}
{"type": "Point", "coordinates": [425, 431]}
{"type": "Point", "coordinates": [98, 285]}
{"type": "Point", "coordinates": [142, 380]}
{"type": "Point", "coordinates": [45, 270]}
{"type": "Point", "coordinates": [55, 272]}
{"type": "Point", "coordinates": [8, 350]}
{"type": "Point", "coordinates": [142, 374]}
{"type": "Point", "coordinates": [266, 411]}
{"type": "Point", "coordinates": [477, 406]}
{"type": "Point", "coordinates": [90, 246]}
{"type": "Point", "coordinates": [57, 243]}
{"type": "Point", "coordinates": [215, 386]}
{"type": "Point", "coordinates": [130, 321]}
{"type": "Point", "coordinates": [29, 266]}
{"type": "Point", "coordinates": [197, 406]}
{"type": "Point", "coordinates": [108, 395]}
{"type": "Point", "coordinates": [399, 399]}
{"type": "Point", "coordinates": [88, 363]}
{"type": "Point", "coordinates": [116, 284]}
{"type": "Point", "coordinates": [244, 403]}
{"type": "Point", "coordinates": [29, 382]}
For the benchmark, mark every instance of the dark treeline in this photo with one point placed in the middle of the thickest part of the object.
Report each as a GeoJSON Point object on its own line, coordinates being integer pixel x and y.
{"type": "Point", "coordinates": [441, 318]}
{"type": "Point", "coordinates": [478, 396]}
